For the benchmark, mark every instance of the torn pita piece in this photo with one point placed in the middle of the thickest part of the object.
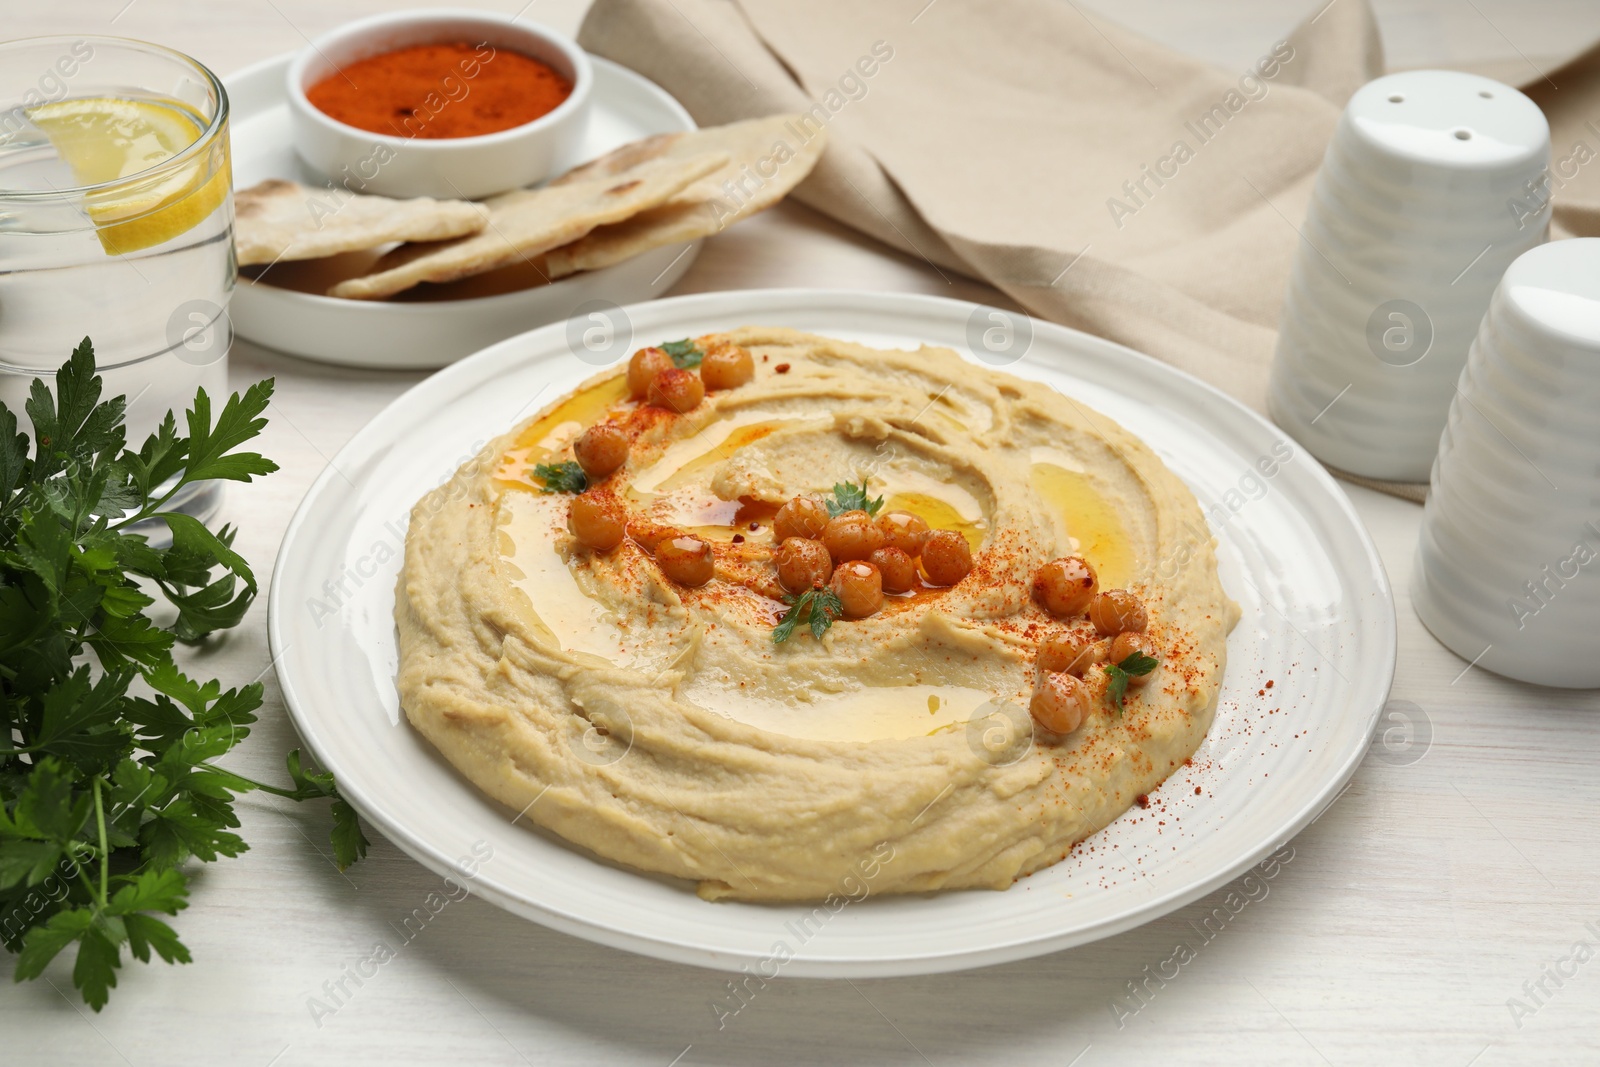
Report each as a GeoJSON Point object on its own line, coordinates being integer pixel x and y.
{"type": "Point", "coordinates": [279, 220]}
{"type": "Point", "coordinates": [527, 222]}
{"type": "Point", "coordinates": [767, 157]}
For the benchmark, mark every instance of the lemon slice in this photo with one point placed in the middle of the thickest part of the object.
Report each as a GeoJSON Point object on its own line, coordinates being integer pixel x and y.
{"type": "Point", "coordinates": [104, 139]}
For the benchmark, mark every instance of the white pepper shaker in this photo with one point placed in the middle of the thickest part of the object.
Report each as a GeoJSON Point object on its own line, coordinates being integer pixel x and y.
{"type": "Point", "coordinates": [1508, 564]}
{"type": "Point", "coordinates": [1414, 217]}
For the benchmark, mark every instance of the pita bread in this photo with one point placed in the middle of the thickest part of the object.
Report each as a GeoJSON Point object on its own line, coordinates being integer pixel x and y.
{"type": "Point", "coordinates": [279, 220]}
{"type": "Point", "coordinates": [766, 158]}
{"type": "Point", "coordinates": [527, 222]}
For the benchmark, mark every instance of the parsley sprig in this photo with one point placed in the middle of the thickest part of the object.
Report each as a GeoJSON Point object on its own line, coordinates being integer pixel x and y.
{"type": "Point", "coordinates": [108, 784]}
{"type": "Point", "coordinates": [565, 477]}
{"type": "Point", "coordinates": [848, 497]}
{"type": "Point", "coordinates": [686, 355]}
{"type": "Point", "coordinates": [1118, 674]}
{"type": "Point", "coordinates": [820, 606]}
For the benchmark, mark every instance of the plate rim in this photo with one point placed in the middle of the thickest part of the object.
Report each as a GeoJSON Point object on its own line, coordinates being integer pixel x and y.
{"type": "Point", "coordinates": [834, 966]}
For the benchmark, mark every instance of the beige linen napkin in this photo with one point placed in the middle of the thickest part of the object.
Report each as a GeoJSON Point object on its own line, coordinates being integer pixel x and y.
{"type": "Point", "coordinates": [1099, 179]}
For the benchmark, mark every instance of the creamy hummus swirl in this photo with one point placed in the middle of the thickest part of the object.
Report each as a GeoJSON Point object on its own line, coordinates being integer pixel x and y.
{"type": "Point", "coordinates": [662, 728]}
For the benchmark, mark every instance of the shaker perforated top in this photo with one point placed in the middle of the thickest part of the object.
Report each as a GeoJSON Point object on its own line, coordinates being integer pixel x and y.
{"type": "Point", "coordinates": [1448, 119]}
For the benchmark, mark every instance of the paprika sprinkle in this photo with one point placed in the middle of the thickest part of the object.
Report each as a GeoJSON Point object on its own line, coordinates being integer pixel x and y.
{"type": "Point", "coordinates": [441, 90]}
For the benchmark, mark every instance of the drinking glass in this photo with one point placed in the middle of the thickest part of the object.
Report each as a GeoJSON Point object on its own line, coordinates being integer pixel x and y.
{"type": "Point", "coordinates": [116, 223]}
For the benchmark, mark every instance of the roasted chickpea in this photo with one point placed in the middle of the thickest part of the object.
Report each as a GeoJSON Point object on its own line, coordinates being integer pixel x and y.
{"type": "Point", "coordinates": [859, 587]}
{"type": "Point", "coordinates": [600, 450]}
{"type": "Point", "coordinates": [1064, 587]}
{"type": "Point", "coordinates": [1060, 702]}
{"type": "Point", "coordinates": [802, 564]}
{"type": "Point", "coordinates": [1117, 611]}
{"type": "Point", "coordinates": [904, 531]}
{"type": "Point", "coordinates": [852, 535]}
{"type": "Point", "coordinates": [726, 367]}
{"type": "Point", "coordinates": [804, 516]}
{"type": "Point", "coordinates": [1063, 653]}
{"type": "Point", "coordinates": [1125, 645]}
{"type": "Point", "coordinates": [677, 390]}
{"type": "Point", "coordinates": [649, 534]}
{"type": "Point", "coordinates": [946, 557]}
{"type": "Point", "coordinates": [596, 524]}
{"type": "Point", "coordinates": [643, 368]}
{"type": "Point", "coordinates": [898, 569]}
{"type": "Point", "coordinates": [686, 559]}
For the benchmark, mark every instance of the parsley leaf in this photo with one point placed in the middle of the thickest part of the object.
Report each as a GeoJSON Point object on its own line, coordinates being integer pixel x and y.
{"type": "Point", "coordinates": [818, 606]}
{"type": "Point", "coordinates": [107, 785]}
{"type": "Point", "coordinates": [48, 807]}
{"type": "Point", "coordinates": [211, 448]}
{"type": "Point", "coordinates": [686, 355]}
{"type": "Point", "coordinates": [13, 458]}
{"type": "Point", "coordinates": [349, 843]}
{"type": "Point", "coordinates": [27, 862]}
{"type": "Point", "coordinates": [565, 477]}
{"type": "Point", "coordinates": [824, 609]}
{"type": "Point", "coordinates": [791, 618]}
{"type": "Point", "coordinates": [44, 943]}
{"type": "Point", "coordinates": [79, 721]}
{"type": "Point", "coordinates": [848, 497]}
{"type": "Point", "coordinates": [1117, 675]}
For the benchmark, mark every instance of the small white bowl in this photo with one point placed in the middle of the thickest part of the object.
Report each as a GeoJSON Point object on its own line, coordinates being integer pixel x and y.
{"type": "Point", "coordinates": [448, 168]}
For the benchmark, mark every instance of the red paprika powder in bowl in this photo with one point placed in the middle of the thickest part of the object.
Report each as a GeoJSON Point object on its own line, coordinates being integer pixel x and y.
{"type": "Point", "coordinates": [438, 103]}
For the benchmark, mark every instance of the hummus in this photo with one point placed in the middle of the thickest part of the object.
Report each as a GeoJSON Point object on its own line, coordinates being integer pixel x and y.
{"type": "Point", "coordinates": [663, 728]}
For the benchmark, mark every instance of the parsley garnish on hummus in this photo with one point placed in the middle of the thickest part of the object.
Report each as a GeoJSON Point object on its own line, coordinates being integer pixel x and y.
{"type": "Point", "coordinates": [686, 355]}
{"type": "Point", "coordinates": [565, 477]}
{"type": "Point", "coordinates": [821, 606]}
{"type": "Point", "coordinates": [1119, 673]}
{"type": "Point", "coordinates": [848, 497]}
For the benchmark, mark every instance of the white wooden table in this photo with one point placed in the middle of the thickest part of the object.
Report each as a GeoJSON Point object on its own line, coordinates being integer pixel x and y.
{"type": "Point", "coordinates": [1434, 892]}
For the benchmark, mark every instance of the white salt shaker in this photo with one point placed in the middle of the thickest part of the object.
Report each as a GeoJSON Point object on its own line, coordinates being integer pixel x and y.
{"type": "Point", "coordinates": [1508, 566]}
{"type": "Point", "coordinates": [1432, 185]}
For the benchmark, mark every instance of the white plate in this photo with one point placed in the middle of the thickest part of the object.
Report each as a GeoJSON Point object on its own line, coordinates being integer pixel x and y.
{"type": "Point", "coordinates": [1318, 622]}
{"type": "Point", "coordinates": [366, 333]}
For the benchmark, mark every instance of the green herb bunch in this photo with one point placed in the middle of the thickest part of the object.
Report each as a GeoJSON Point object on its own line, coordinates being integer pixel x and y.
{"type": "Point", "coordinates": [108, 783]}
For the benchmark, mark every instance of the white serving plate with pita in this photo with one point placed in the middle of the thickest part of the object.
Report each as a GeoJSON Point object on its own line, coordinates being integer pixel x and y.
{"type": "Point", "coordinates": [1318, 625]}
{"type": "Point", "coordinates": [625, 107]}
